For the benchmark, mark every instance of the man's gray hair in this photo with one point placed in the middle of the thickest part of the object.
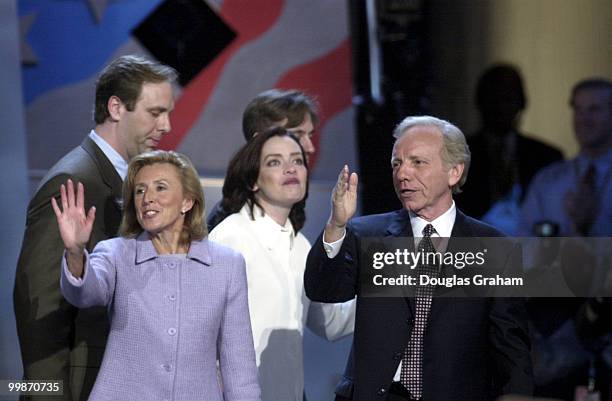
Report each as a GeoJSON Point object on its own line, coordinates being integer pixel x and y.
{"type": "Point", "coordinates": [455, 149]}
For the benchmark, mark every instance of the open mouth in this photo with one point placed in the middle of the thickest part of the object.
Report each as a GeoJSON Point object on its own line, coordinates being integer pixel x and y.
{"type": "Point", "coordinates": [407, 192]}
{"type": "Point", "coordinates": [291, 181]}
{"type": "Point", "coordinates": [149, 214]}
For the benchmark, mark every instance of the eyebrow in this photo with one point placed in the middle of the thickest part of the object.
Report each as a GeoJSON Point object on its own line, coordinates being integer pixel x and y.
{"type": "Point", "coordinates": [161, 181]}
{"type": "Point", "coordinates": [160, 109]}
{"type": "Point", "coordinates": [301, 131]}
{"type": "Point", "coordinates": [279, 155]}
{"type": "Point", "coordinates": [411, 157]}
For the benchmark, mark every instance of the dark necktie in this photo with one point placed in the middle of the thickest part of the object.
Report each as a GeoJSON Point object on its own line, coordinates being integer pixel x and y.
{"type": "Point", "coordinates": [411, 375]}
{"type": "Point", "coordinates": [582, 204]}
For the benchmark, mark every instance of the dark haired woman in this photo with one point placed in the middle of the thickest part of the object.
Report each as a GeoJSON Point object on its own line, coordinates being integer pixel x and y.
{"type": "Point", "coordinates": [264, 194]}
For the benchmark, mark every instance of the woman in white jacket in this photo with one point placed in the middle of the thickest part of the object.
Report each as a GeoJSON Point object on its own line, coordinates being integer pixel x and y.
{"type": "Point", "coordinates": [264, 196]}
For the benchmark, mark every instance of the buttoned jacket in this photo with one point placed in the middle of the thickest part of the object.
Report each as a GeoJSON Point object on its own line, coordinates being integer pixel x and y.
{"type": "Point", "coordinates": [171, 317]}
{"type": "Point", "coordinates": [474, 348]}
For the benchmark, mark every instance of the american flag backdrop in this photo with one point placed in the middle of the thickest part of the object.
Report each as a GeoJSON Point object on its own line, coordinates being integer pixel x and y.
{"type": "Point", "coordinates": [231, 50]}
{"type": "Point", "coordinates": [257, 45]}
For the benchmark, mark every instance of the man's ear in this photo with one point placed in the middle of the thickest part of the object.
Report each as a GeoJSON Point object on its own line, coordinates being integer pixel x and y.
{"type": "Point", "coordinates": [114, 106]}
{"type": "Point", "coordinates": [455, 173]}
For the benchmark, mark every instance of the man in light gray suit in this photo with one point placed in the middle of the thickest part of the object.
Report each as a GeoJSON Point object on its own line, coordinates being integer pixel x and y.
{"type": "Point", "coordinates": [133, 101]}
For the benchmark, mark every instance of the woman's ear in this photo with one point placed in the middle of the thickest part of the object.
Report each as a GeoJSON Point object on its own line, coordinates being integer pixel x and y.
{"type": "Point", "coordinates": [187, 205]}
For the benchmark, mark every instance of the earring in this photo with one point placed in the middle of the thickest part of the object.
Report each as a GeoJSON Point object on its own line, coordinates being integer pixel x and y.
{"type": "Point", "coordinates": [183, 212]}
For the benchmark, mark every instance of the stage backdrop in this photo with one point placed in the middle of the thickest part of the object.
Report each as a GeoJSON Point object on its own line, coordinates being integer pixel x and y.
{"type": "Point", "coordinates": [228, 51]}
{"type": "Point", "coordinates": [239, 49]}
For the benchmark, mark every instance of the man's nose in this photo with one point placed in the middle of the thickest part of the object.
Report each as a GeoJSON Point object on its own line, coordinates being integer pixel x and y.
{"type": "Point", "coordinates": [164, 123]}
{"type": "Point", "coordinates": [306, 142]}
{"type": "Point", "coordinates": [403, 171]}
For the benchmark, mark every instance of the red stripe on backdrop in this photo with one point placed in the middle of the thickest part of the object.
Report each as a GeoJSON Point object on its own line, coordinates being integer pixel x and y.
{"type": "Point", "coordinates": [240, 15]}
{"type": "Point", "coordinates": [328, 78]}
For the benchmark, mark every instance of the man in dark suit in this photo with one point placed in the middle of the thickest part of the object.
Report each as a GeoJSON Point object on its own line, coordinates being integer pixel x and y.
{"type": "Point", "coordinates": [133, 100]}
{"type": "Point", "coordinates": [504, 160]}
{"type": "Point", "coordinates": [421, 348]}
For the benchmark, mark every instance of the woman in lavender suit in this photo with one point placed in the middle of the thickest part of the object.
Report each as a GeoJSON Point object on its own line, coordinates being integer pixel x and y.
{"type": "Point", "coordinates": [177, 302]}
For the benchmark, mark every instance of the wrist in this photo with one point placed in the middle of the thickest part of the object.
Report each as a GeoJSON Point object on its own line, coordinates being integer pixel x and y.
{"type": "Point", "coordinates": [333, 232]}
{"type": "Point", "coordinates": [334, 225]}
{"type": "Point", "coordinates": [75, 252]}
{"type": "Point", "coordinates": [75, 263]}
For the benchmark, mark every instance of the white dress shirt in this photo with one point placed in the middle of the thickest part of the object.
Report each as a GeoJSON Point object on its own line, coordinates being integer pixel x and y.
{"type": "Point", "coordinates": [275, 260]}
{"type": "Point", "coordinates": [118, 162]}
{"type": "Point", "coordinates": [443, 225]}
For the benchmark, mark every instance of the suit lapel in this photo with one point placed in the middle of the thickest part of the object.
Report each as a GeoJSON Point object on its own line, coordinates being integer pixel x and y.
{"type": "Point", "coordinates": [107, 171]}
{"type": "Point", "coordinates": [400, 225]}
{"type": "Point", "coordinates": [461, 229]}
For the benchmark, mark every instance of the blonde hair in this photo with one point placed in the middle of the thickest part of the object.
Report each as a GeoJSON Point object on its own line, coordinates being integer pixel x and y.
{"type": "Point", "coordinates": [194, 226]}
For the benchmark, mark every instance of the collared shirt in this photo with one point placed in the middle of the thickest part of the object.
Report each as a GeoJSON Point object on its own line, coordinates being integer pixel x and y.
{"type": "Point", "coordinates": [545, 200]}
{"type": "Point", "coordinates": [276, 259]}
{"type": "Point", "coordinates": [118, 162]}
{"type": "Point", "coordinates": [443, 225]}
{"type": "Point", "coordinates": [171, 318]}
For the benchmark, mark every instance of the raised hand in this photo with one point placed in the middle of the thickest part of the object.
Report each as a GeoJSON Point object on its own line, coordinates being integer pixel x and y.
{"type": "Point", "coordinates": [343, 203]}
{"type": "Point", "coordinates": [74, 225]}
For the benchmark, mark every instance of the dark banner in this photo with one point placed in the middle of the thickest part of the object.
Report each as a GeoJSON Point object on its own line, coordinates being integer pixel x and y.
{"type": "Point", "coordinates": [487, 267]}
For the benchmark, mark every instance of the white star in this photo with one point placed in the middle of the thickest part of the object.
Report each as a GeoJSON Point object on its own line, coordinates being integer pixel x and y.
{"type": "Point", "coordinates": [97, 8]}
{"type": "Point", "coordinates": [28, 56]}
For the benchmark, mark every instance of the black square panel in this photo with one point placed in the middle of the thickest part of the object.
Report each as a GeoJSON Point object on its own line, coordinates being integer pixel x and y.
{"type": "Point", "coordinates": [185, 34]}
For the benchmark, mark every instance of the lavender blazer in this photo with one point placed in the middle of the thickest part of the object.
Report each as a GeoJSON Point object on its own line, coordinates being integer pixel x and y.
{"type": "Point", "coordinates": [171, 318]}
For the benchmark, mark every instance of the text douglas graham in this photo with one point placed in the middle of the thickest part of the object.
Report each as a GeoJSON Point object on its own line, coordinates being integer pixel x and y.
{"type": "Point", "coordinates": [452, 281]}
